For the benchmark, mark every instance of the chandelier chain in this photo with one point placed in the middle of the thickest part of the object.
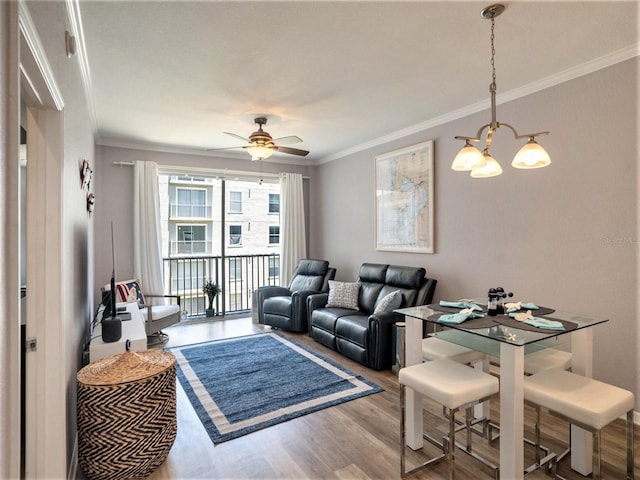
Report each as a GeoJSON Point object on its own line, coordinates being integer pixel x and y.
{"type": "Point", "coordinates": [493, 54]}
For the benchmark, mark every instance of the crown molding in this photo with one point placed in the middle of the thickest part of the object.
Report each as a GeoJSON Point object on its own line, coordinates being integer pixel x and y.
{"type": "Point", "coordinates": [533, 87]}
{"type": "Point", "coordinates": [32, 56]}
{"type": "Point", "coordinates": [75, 24]}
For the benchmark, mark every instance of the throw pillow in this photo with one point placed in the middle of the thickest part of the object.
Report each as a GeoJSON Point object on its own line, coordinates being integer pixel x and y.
{"type": "Point", "coordinates": [389, 303]}
{"type": "Point", "coordinates": [129, 292]}
{"type": "Point", "coordinates": [343, 294]}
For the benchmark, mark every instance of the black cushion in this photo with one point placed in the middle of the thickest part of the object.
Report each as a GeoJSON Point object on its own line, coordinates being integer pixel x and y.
{"type": "Point", "coordinates": [353, 328]}
{"type": "Point", "coordinates": [302, 283]}
{"type": "Point", "coordinates": [278, 306]}
{"type": "Point", "coordinates": [405, 277]}
{"type": "Point", "coordinates": [312, 267]}
{"type": "Point", "coordinates": [373, 272]}
{"type": "Point", "coordinates": [368, 296]}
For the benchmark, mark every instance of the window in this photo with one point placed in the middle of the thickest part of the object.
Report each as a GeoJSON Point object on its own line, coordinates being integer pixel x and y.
{"type": "Point", "coordinates": [235, 269]}
{"type": "Point", "coordinates": [190, 239]}
{"type": "Point", "coordinates": [235, 234]}
{"type": "Point", "coordinates": [274, 267]}
{"type": "Point", "coordinates": [274, 234]}
{"type": "Point", "coordinates": [235, 202]}
{"type": "Point", "coordinates": [274, 203]}
{"type": "Point", "coordinates": [190, 203]}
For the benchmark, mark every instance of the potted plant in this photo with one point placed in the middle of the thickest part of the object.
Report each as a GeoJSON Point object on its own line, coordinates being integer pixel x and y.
{"type": "Point", "coordinates": [211, 290]}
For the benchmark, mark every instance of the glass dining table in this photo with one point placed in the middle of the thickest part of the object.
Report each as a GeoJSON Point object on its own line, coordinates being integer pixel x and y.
{"type": "Point", "coordinates": [509, 340]}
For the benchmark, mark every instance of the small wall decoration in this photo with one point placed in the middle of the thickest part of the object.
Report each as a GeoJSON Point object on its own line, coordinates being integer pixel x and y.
{"type": "Point", "coordinates": [91, 201]}
{"type": "Point", "coordinates": [86, 174]}
{"type": "Point", "coordinates": [404, 199]}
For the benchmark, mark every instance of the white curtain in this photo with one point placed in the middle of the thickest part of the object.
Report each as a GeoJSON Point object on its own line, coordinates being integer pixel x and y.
{"type": "Point", "coordinates": [293, 242]}
{"type": "Point", "coordinates": [147, 242]}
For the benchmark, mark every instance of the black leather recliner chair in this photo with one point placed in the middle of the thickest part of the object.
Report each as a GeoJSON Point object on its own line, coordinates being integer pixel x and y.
{"type": "Point", "coordinates": [286, 308]}
{"type": "Point", "coordinates": [363, 335]}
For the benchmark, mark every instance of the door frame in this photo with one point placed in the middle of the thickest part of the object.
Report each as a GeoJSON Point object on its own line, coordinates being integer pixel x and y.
{"type": "Point", "coordinates": [46, 383]}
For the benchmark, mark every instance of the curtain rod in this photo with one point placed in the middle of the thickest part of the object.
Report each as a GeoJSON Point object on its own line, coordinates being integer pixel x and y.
{"type": "Point", "coordinates": [189, 171]}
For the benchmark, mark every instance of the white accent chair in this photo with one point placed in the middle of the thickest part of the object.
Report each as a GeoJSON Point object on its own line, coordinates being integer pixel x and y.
{"type": "Point", "coordinates": [156, 317]}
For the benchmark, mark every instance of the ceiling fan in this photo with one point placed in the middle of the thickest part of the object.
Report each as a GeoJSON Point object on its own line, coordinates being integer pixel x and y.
{"type": "Point", "coordinates": [261, 145]}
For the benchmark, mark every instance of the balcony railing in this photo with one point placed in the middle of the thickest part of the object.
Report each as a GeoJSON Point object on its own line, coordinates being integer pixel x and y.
{"type": "Point", "coordinates": [193, 247]}
{"type": "Point", "coordinates": [241, 275]}
{"type": "Point", "coordinates": [188, 210]}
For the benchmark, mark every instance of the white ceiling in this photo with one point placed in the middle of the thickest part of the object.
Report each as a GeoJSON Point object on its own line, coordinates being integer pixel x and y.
{"type": "Point", "coordinates": [343, 76]}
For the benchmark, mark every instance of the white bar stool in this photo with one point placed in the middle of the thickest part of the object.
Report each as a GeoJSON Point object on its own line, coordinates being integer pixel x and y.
{"type": "Point", "coordinates": [547, 359]}
{"type": "Point", "coordinates": [584, 402]}
{"type": "Point", "coordinates": [453, 385]}
{"type": "Point", "coordinates": [434, 348]}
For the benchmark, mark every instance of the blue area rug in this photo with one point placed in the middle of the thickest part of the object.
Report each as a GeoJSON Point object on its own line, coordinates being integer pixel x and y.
{"type": "Point", "coordinates": [241, 385]}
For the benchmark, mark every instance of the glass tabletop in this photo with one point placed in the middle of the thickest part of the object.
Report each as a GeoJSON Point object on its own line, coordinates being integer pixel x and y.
{"type": "Point", "coordinates": [501, 328]}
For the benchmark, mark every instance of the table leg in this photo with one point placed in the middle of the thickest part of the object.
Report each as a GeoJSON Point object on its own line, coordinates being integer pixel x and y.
{"type": "Point", "coordinates": [511, 412]}
{"type": "Point", "coordinates": [413, 401]}
{"type": "Point", "coordinates": [582, 364]}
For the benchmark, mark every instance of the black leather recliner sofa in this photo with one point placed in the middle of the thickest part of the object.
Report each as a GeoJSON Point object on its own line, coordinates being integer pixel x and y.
{"type": "Point", "coordinates": [363, 335]}
{"type": "Point", "coordinates": [286, 308]}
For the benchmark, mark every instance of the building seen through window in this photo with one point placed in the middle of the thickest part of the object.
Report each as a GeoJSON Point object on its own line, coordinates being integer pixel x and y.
{"type": "Point", "coordinates": [233, 241]}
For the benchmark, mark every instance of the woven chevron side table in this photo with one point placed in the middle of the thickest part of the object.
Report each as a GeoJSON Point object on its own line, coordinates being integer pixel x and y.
{"type": "Point", "coordinates": [126, 414]}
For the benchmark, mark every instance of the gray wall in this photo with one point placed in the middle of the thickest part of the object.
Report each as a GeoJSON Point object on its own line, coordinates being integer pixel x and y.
{"type": "Point", "coordinates": [563, 236]}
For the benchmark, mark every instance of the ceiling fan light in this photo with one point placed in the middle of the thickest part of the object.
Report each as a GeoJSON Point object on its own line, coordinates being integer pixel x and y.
{"type": "Point", "coordinates": [259, 152]}
{"type": "Point", "coordinates": [531, 155]}
{"type": "Point", "coordinates": [468, 158]}
{"type": "Point", "coordinates": [490, 169]}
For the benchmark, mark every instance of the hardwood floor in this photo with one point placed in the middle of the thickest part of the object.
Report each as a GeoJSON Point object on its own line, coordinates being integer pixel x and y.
{"type": "Point", "coordinates": [355, 440]}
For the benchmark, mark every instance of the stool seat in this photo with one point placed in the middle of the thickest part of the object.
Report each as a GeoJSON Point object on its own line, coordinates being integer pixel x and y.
{"type": "Point", "coordinates": [455, 386]}
{"type": "Point", "coordinates": [449, 383]}
{"type": "Point", "coordinates": [434, 348]}
{"type": "Point", "coordinates": [585, 400]}
{"type": "Point", "coordinates": [549, 358]}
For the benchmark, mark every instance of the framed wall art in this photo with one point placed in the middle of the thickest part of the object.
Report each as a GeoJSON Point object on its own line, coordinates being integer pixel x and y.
{"type": "Point", "coordinates": [404, 199]}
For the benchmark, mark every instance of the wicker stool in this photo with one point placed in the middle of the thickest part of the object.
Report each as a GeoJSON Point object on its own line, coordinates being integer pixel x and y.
{"type": "Point", "coordinates": [126, 414]}
{"type": "Point", "coordinates": [584, 402]}
{"type": "Point", "coordinates": [454, 386]}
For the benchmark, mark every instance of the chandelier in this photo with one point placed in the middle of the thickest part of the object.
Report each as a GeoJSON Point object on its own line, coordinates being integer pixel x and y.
{"type": "Point", "coordinates": [481, 163]}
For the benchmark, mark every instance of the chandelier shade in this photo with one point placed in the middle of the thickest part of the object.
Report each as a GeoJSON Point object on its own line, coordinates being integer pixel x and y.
{"type": "Point", "coordinates": [481, 163]}
{"type": "Point", "coordinates": [259, 152]}
{"type": "Point", "coordinates": [491, 168]}
{"type": "Point", "coordinates": [468, 158]}
{"type": "Point", "coordinates": [531, 155]}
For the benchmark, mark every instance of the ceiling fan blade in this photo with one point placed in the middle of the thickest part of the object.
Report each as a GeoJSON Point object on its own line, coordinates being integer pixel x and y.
{"type": "Point", "coordinates": [237, 136]}
{"type": "Point", "coordinates": [287, 140]}
{"type": "Point", "coordinates": [292, 151]}
{"type": "Point", "coordinates": [223, 148]}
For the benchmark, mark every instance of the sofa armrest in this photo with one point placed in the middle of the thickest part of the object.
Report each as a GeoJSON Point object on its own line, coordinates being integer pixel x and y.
{"type": "Point", "coordinates": [274, 291]}
{"type": "Point", "coordinates": [299, 320]}
{"type": "Point", "coordinates": [380, 339]}
{"type": "Point", "coordinates": [315, 301]}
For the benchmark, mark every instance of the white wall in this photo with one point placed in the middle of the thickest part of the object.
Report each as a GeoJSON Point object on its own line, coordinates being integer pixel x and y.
{"type": "Point", "coordinates": [564, 236]}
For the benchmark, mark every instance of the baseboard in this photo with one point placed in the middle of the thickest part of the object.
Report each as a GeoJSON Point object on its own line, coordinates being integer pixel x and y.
{"type": "Point", "coordinates": [73, 465]}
